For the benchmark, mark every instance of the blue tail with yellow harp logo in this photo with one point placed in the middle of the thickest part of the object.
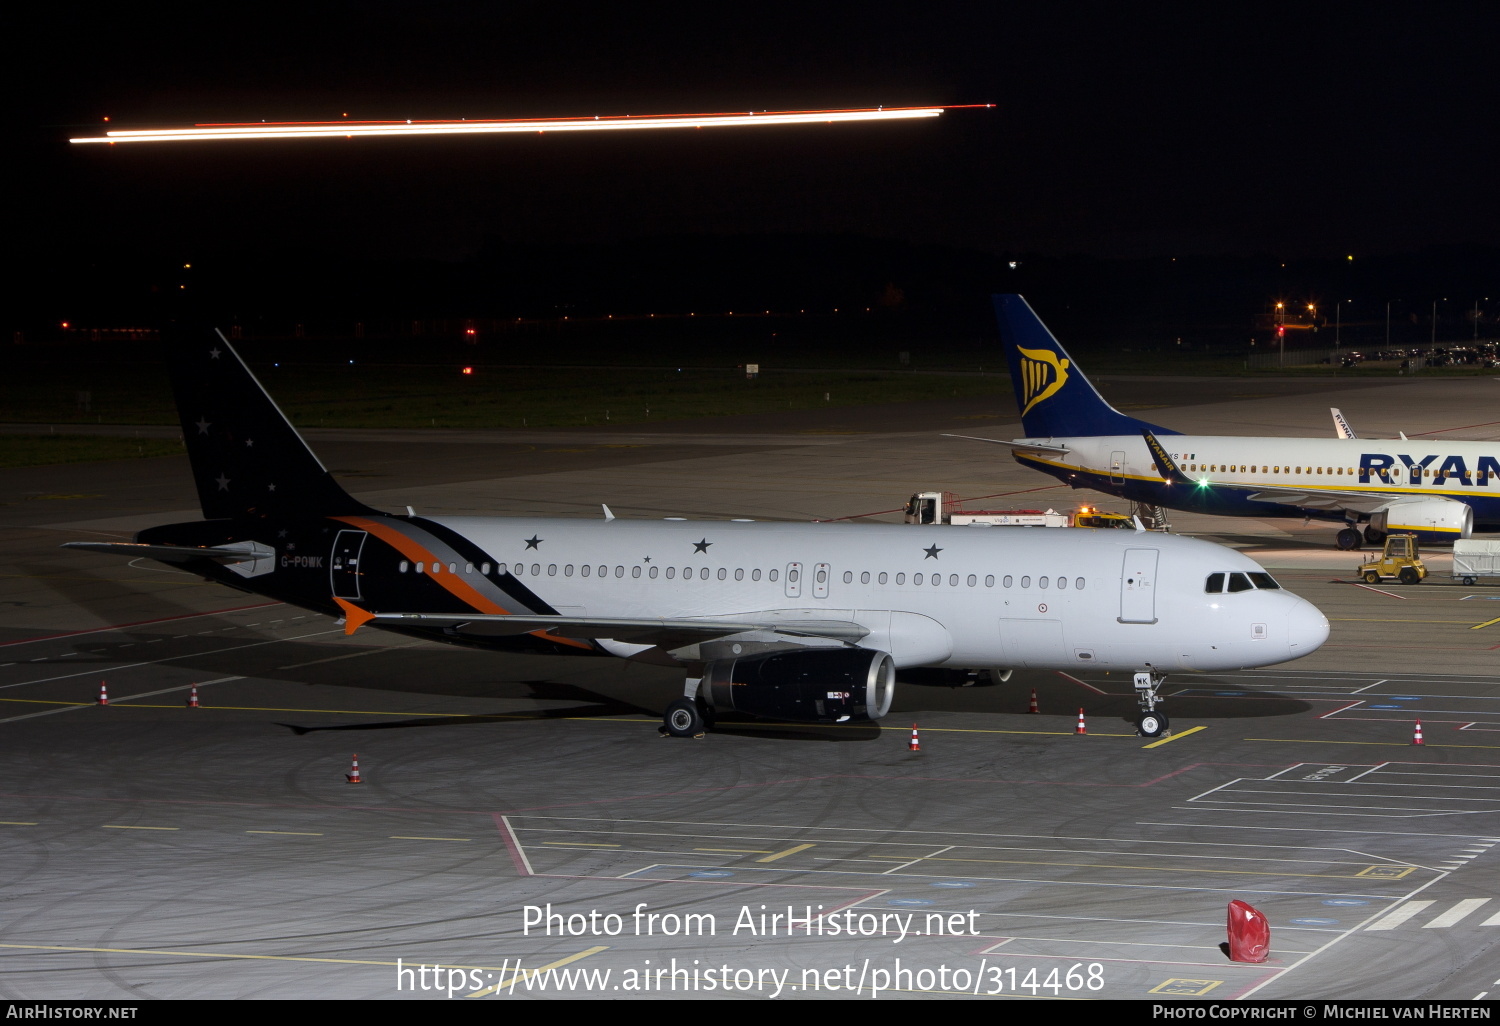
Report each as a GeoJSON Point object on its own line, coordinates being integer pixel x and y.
{"type": "Point", "coordinates": [1055, 399]}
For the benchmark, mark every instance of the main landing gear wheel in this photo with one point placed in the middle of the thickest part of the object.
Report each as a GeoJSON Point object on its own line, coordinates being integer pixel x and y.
{"type": "Point", "coordinates": [1409, 575]}
{"type": "Point", "coordinates": [1371, 577]}
{"type": "Point", "coordinates": [1374, 537]}
{"type": "Point", "coordinates": [683, 718]}
{"type": "Point", "coordinates": [1348, 539]}
{"type": "Point", "coordinates": [1152, 724]}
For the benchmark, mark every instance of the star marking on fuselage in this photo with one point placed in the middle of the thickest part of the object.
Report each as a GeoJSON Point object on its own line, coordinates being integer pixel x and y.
{"type": "Point", "coordinates": [249, 442]}
{"type": "Point", "coordinates": [702, 546]}
{"type": "Point", "coordinates": [271, 487]}
{"type": "Point", "coordinates": [646, 559]}
{"type": "Point", "coordinates": [214, 352]}
{"type": "Point", "coordinates": [281, 533]}
{"type": "Point", "coordinates": [223, 482]}
{"type": "Point", "coordinates": [533, 542]}
{"type": "Point", "coordinates": [932, 551]}
{"type": "Point", "coordinates": [203, 425]}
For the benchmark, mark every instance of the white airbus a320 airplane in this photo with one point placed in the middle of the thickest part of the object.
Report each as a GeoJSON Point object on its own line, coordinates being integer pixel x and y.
{"type": "Point", "coordinates": [798, 621]}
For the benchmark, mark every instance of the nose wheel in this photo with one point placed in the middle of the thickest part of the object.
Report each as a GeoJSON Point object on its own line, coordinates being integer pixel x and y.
{"type": "Point", "coordinates": [1151, 721]}
{"type": "Point", "coordinates": [1151, 724]}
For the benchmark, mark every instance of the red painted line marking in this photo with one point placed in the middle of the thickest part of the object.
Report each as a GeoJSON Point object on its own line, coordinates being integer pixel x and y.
{"type": "Point", "coordinates": [1085, 684]}
{"type": "Point", "coordinates": [513, 845]}
{"type": "Point", "coordinates": [1377, 591]}
{"type": "Point", "coordinates": [137, 623]}
{"type": "Point", "coordinates": [1466, 427]}
{"type": "Point", "coordinates": [1341, 708]}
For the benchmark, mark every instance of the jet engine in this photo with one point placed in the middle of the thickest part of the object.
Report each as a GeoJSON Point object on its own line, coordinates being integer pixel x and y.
{"type": "Point", "coordinates": [836, 685]}
{"type": "Point", "coordinates": [1433, 520]}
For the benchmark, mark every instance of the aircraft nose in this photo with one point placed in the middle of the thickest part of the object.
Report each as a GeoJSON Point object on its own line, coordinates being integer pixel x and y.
{"type": "Point", "coordinates": [1306, 628]}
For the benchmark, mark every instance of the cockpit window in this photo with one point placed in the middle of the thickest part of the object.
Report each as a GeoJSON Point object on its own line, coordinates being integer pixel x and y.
{"type": "Point", "coordinates": [1239, 582]}
{"type": "Point", "coordinates": [1215, 584]}
{"type": "Point", "coordinates": [1265, 580]}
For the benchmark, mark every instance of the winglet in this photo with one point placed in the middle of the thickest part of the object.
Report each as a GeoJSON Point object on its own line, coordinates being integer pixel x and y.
{"type": "Point", "coordinates": [608, 513]}
{"type": "Point", "coordinates": [1340, 425]}
{"type": "Point", "coordinates": [1164, 463]}
{"type": "Point", "coordinates": [354, 617]}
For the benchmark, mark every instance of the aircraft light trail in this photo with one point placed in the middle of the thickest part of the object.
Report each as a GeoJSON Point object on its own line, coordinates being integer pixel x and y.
{"type": "Point", "coordinates": [520, 126]}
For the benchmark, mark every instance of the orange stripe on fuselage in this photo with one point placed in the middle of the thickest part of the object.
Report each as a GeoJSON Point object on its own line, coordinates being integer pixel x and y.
{"type": "Point", "coordinates": [416, 552]}
{"type": "Point", "coordinates": [455, 585]}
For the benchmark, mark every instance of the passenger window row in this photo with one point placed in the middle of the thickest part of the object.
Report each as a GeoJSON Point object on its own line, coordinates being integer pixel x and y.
{"type": "Point", "coordinates": [723, 574]}
{"type": "Point", "coordinates": [1230, 468]}
{"type": "Point", "coordinates": [1237, 581]}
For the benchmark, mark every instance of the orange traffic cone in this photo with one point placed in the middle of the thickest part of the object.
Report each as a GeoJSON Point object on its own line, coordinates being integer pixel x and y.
{"type": "Point", "coordinates": [353, 775]}
{"type": "Point", "coordinates": [914, 745]}
{"type": "Point", "coordinates": [1416, 737]}
{"type": "Point", "coordinates": [103, 694]}
{"type": "Point", "coordinates": [192, 702]}
{"type": "Point", "coordinates": [1034, 707]}
{"type": "Point", "coordinates": [1082, 727]}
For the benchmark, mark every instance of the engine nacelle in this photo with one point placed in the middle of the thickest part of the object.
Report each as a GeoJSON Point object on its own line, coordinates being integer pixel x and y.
{"type": "Point", "coordinates": [835, 685]}
{"type": "Point", "coordinates": [1432, 520]}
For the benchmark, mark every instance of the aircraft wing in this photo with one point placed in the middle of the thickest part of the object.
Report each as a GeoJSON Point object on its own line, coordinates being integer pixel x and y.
{"type": "Point", "coordinates": [172, 553]}
{"type": "Point", "coordinates": [666, 633]}
{"type": "Point", "coordinates": [1019, 445]}
{"type": "Point", "coordinates": [1320, 498]}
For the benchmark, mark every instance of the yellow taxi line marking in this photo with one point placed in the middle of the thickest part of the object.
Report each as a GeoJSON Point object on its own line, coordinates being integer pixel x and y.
{"type": "Point", "coordinates": [582, 844]}
{"type": "Point", "coordinates": [1174, 737]}
{"type": "Point", "coordinates": [287, 833]}
{"type": "Point", "coordinates": [1380, 744]}
{"type": "Point", "coordinates": [521, 974]}
{"type": "Point", "coordinates": [406, 837]}
{"type": "Point", "coordinates": [1107, 865]}
{"type": "Point", "coordinates": [118, 826]}
{"type": "Point", "coordinates": [1382, 619]}
{"type": "Point", "coordinates": [784, 854]}
{"type": "Point", "coordinates": [228, 954]}
{"type": "Point", "coordinates": [1487, 623]}
{"type": "Point", "coordinates": [13, 822]}
{"type": "Point", "coordinates": [739, 851]}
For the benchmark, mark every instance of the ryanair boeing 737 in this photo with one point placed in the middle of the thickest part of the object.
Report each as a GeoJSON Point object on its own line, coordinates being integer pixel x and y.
{"type": "Point", "coordinates": [1439, 490]}
{"type": "Point", "coordinates": [799, 621]}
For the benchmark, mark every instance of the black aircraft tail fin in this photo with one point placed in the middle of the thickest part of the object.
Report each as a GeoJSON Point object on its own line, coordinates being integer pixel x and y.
{"type": "Point", "coordinates": [247, 459]}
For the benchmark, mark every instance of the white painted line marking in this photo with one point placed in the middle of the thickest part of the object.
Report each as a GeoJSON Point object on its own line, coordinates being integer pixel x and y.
{"type": "Point", "coordinates": [1367, 687]}
{"type": "Point", "coordinates": [1454, 914]}
{"type": "Point", "coordinates": [1493, 920]}
{"type": "Point", "coordinates": [167, 659]}
{"type": "Point", "coordinates": [1398, 915]}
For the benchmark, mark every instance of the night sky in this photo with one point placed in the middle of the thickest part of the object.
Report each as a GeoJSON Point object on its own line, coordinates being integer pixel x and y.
{"type": "Point", "coordinates": [1119, 130]}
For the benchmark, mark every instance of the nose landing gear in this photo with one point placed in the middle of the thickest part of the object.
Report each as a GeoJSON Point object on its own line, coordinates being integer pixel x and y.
{"type": "Point", "coordinates": [1151, 721]}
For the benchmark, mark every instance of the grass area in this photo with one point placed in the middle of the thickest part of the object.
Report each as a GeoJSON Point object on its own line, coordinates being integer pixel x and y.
{"type": "Point", "coordinates": [43, 450]}
{"type": "Point", "coordinates": [492, 397]}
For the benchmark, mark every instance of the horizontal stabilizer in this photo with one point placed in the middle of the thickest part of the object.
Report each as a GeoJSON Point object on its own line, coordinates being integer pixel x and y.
{"type": "Point", "coordinates": [1019, 445]}
{"type": "Point", "coordinates": [172, 553]}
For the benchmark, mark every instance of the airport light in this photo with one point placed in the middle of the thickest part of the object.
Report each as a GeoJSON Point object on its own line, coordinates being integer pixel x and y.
{"type": "Point", "coordinates": [350, 129]}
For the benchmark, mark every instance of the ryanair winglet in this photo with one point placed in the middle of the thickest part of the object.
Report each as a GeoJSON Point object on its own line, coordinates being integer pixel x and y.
{"type": "Point", "coordinates": [1165, 465]}
{"type": "Point", "coordinates": [1055, 399]}
{"type": "Point", "coordinates": [354, 617]}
